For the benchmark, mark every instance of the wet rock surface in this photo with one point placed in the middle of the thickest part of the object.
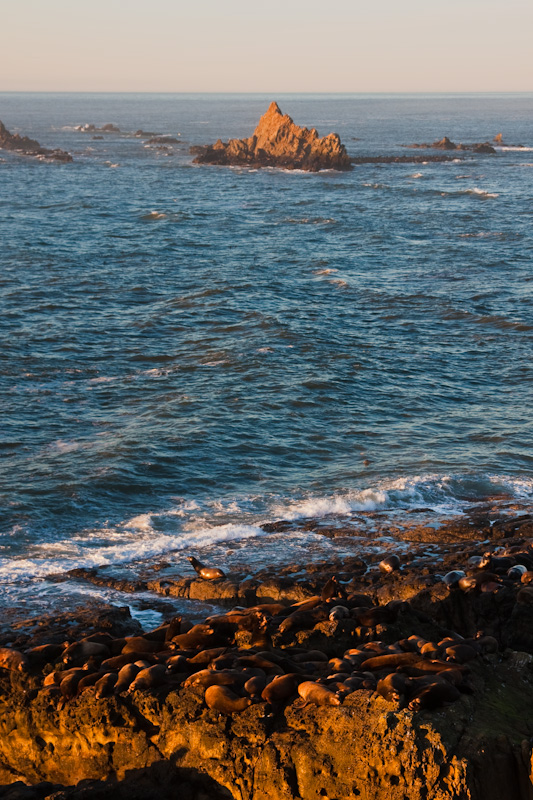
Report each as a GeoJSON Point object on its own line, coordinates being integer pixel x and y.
{"type": "Point", "coordinates": [29, 147]}
{"type": "Point", "coordinates": [446, 144]}
{"type": "Point", "coordinates": [403, 671]}
{"type": "Point", "coordinates": [278, 142]}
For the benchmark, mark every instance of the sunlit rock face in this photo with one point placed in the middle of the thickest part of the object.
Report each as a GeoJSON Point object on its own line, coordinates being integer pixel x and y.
{"type": "Point", "coordinates": [278, 142]}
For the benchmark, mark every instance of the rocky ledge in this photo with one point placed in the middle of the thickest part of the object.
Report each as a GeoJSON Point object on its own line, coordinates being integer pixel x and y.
{"type": "Point", "coordinates": [29, 147]}
{"type": "Point", "coordinates": [446, 144]}
{"type": "Point", "coordinates": [403, 678]}
{"type": "Point", "coordinates": [278, 142]}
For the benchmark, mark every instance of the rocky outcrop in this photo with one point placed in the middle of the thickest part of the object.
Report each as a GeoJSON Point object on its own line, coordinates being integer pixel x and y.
{"type": "Point", "coordinates": [29, 147]}
{"type": "Point", "coordinates": [173, 747]}
{"type": "Point", "coordinates": [446, 144]}
{"type": "Point", "coordinates": [278, 142]}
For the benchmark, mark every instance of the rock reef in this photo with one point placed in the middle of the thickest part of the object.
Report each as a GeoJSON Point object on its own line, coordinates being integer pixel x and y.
{"type": "Point", "coordinates": [278, 142]}
{"type": "Point", "coordinates": [29, 147]}
{"type": "Point", "coordinates": [446, 144]}
{"type": "Point", "coordinates": [405, 674]}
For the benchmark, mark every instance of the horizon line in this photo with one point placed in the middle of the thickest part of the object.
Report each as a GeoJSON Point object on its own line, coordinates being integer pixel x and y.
{"type": "Point", "coordinates": [270, 92]}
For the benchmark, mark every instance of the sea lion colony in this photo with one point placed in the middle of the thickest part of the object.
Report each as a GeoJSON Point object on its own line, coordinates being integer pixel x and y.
{"type": "Point", "coordinates": [250, 655]}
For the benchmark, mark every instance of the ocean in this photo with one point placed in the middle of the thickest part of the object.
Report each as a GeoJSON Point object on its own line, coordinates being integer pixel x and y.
{"type": "Point", "coordinates": [188, 352]}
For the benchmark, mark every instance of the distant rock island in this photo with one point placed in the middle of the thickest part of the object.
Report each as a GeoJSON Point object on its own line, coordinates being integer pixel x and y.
{"type": "Point", "coordinates": [278, 142]}
{"type": "Point", "coordinates": [446, 144]}
{"type": "Point", "coordinates": [29, 147]}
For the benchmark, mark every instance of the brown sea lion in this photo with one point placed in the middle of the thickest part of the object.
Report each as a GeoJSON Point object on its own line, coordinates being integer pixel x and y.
{"type": "Point", "coordinates": [79, 652]}
{"type": "Point", "coordinates": [178, 664]}
{"type": "Point", "coordinates": [149, 678]}
{"type": "Point", "coordinates": [44, 653]}
{"type": "Point", "coordinates": [338, 612]}
{"type": "Point", "coordinates": [460, 653]}
{"type": "Point", "coordinates": [209, 677]}
{"type": "Point", "coordinates": [126, 676]}
{"type": "Point", "coordinates": [254, 686]}
{"type": "Point", "coordinates": [390, 661]}
{"type": "Point", "coordinates": [138, 644]}
{"type": "Point", "coordinates": [106, 684]}
{"type": "Point", "coordinates": [312, 692]}
{"type": "Point", "coordinates": [434, 695]}
{"type": "Point", "coordinates": [89, 680]}
{"type": "Point", "coordinates": [281, 688]}
{"type": "Point", "coordinates": [389, 564]}
{"type": "Point", "coordinates": [13, 660]}
{"type": "Point", "coordinates": [333, 589]}
{"type": "Point", "coordinates": [69, 684]}
{"type": "Point", "coordinates": [393, 687]}
{"type": "Point", "coordinates": [116, 662]}
{"type": "Point", "coordinates": [221, 698]}
{"type": "Point", "coordinates": [207, 573]}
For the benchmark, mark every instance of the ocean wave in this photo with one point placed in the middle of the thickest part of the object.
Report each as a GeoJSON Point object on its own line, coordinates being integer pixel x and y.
{"type": "Point", "coordinates": [514, 148]}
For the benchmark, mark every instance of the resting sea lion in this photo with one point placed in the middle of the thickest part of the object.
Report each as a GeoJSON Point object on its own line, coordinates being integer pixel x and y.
{"type": "Point", "coordinates": [126, 676]}
{"type": "Point", "coordinates": [80, 651]}
{"type": "Point", "coordinates": [149, 678]}
{"type": "Point", "coordinates": [13, 660]}
{"type": "Point", "coordinates": [393, 687]}
{"type": "Point", "coordinates": [435, 694]}
{"type": "Point", "coordinates": [220, 698]}
{"type": "Point", "coordinates": [390, 661]}
{"type": "Point", "coordinates": [312, 692]}
{"type": "Point", "coordinates": [104, 686]}
{"type": "Point", "coordinates": [207, 573]}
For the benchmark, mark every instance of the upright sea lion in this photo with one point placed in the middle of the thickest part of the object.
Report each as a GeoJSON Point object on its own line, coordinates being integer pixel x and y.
{"type": "Point", "coordinates": [389, 564]}
{"type": "Point", "coordinates": [333, 589]}
{"type": "Point", "coordinates": [13, 660]}
{"type": "Point", "coordinates": [220, 698]}
{"type": "Point", "coordinates": [207, 573]}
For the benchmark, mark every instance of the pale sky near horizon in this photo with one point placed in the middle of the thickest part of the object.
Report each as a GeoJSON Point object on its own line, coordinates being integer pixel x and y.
{"type": "Point", "coordinates": [283, 46]}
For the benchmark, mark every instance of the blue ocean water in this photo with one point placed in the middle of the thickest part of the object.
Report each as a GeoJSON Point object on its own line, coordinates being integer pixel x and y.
{"type": "Point", "coordinates": [188, 351]}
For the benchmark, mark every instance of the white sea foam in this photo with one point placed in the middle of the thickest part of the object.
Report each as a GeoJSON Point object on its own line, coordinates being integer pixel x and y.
{"type": "Point", "coordinates": [153, 215]}
{"type": "Point", "coordinates": [514, 148]}
{"type": "Point", "coordinates": [65, 446]}
{"type": "Point", "coordinates": [480, 192]}
{"type": "Point", "coordinates": [417, 175]}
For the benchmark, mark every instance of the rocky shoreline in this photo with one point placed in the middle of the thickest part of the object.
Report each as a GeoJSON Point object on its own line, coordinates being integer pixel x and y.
{"type": "Point", "coordinates": [404, 671]}
{"type": "Point", "coordinates": [25, 146]}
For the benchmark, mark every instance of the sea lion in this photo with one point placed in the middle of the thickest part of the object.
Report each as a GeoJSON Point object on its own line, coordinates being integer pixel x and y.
{"type": "Point", "coordinates": [221, 698]}
{"type": "Point", "coordinates": [254, 686]}
{"type": "Point", "coordinates": [126, 676]}
{"type": "Point", "coordinates": [312, 692]}
{"type": "Point", "coordinates": [390, 661]}
{"type": "Point", "coordinates": [89, 680]}
{"type": "Point", "coordinates": [209, 677]}
{"type": "Point", "coordinates": [44, 653]}
{"type": "Point", "coordinates": [393, 687]}
{"type": "Point", "coordinates": [389, 564]}
{"type": "Point", "coordinates": [451, 579]}
{"type": "Point", "coordinates": [460, 653]}
{"type": "Point", "coordinates": [332, 589]}
{"type": "Point", "coordinates": [178, 664]}
{"type": "Point", "coordinates": [204, 657]}
{"type": "Point", "coordinates": [117, 662]}
{"type": "Point", "coordinates": [338, 612]}
{"type": "Point", "coordinates": [207, 573]}
{"type": "Point", "coordinates": [434, 694]}
{"type": "Point", "coordinates": [515, 573]}
{"type": "Point", "coordinates": [138, 644]}
{"type": "Point", "coordinates": [281, 688]}
{"type": "Point", "coordinates": [13, 660]}
{"type": "Point", "coordinates": [78, 652]}
{"type": "Point", "coordinates": [379, 615]}
{"type": "Point", "coordinates": [149, 678]}
{"type": "Point", "coordinates": [105, 686]}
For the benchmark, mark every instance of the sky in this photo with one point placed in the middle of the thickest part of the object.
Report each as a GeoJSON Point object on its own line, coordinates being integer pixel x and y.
{"type": "Point", "coordinates": [280, 46]}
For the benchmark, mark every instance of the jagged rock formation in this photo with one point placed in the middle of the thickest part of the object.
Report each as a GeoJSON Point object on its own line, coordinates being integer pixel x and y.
{"type": "Point", "coordinates": [29, 147]}
{"type": "Point", "coordinates": [278, 142]}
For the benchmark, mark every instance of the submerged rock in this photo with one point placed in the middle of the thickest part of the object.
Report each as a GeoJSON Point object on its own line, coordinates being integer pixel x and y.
{"type": "Point", "coordinates": [446, 144]}
{"type": "Point", "coordinates": [29, 147]}
{"type": "Point", "coordinates": [278, 142]}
